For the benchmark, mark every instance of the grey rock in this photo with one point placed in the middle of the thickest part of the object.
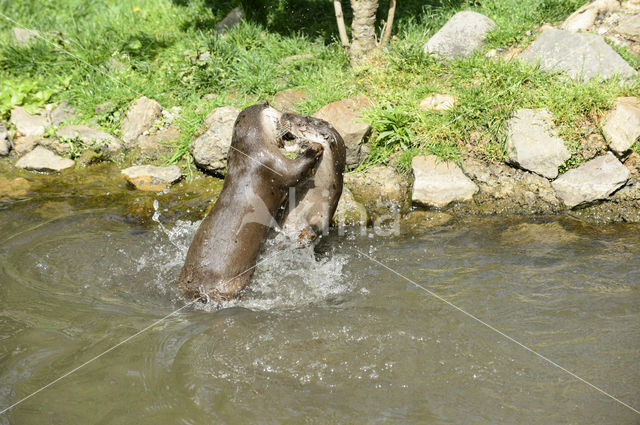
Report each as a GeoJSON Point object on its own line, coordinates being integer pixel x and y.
{"type": "Point", "coordinates": [381, 190]}
{"type": "Point", "coordinates": [349, 212]}
{"type": "Point", "coordinates": [23, 145]}
{"type": "Point", "coordinates": [42, 159]}
{"type": "Point", "coordinates": [630, 27]}
{"type": "Point", "coordinates": [231, 20]}
{"type": "Point", "coordinates": [210, 149]}
{"type": "Point", "coordinates": [5, 140]}
{"type": "Point", "coordinates": [152, 178]}
{"type": "Point", "coordinates": [622, 124]}
{"type": "Point", "coordinates": [533, 144]}
{"type": "Point", "coordinates": [91, 137]}
{"type": "Point", "coordinates": [581, 56]}
{"type": "Point", "coordinates": [584, 18]}
{"type": "Point", "coordinates": [140, 118]}
{"type": "Point", "coordinates": [156, 145]}
{"type": "Point", "coordinates": [27, 124]}
{"type": "Point", "coordinates": [509, 190]}
{"type": "Point", "coordinates": [103, 108]}
{"type": "Point", "coordinates": [23, 36]}
{"type": "Point", "coordinates": [438, 183]}
{"type": "Point", "coordinates": [345, 116]}
{"type": "Point", "coordinates": [592, 181]}
{"type": "Point", "coordinates": [63, 112]}
{"type": "Point", "coordinates": [460, 36]}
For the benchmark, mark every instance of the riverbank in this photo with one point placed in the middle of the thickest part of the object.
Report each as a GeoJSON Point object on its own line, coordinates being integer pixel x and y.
{"type": "Point", "coordinates": [507, 120]}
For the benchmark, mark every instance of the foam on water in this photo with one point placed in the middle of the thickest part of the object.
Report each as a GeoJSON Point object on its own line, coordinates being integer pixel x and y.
{"type": "Point", "coordinates": [286, 276]}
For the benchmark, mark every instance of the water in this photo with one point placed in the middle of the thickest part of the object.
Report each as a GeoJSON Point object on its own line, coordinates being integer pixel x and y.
{"type": "Point", "coordinates": [325, 338]}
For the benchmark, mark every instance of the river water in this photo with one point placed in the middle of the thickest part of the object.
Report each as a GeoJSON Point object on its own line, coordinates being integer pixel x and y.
{"type": "Point", "coordinates": [324, 337]}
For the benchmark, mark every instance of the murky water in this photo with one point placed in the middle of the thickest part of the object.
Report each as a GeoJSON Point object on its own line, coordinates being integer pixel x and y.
{"type": "Point", "coordinates": [324, 338]}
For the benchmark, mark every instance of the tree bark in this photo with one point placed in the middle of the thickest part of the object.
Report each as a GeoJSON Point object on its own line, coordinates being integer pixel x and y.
{"type": "Point", "coordinates": [337, 5]}
{"type": "Point", "coordinates": [363, 31]}
{"type": "Point", "coordinates": [386, 33]}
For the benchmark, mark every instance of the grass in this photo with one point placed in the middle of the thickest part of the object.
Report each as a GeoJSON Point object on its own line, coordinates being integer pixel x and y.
{"type": "Point", "coordinates": [118, 51]}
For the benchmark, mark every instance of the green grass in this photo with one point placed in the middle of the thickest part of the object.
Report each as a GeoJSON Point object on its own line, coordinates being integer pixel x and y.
{"type": "Point", "coordinates": [117, 51]}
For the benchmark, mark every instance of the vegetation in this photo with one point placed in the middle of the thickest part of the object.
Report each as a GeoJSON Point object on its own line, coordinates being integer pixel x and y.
{"type": "Point", "coordinates": [98, 51]}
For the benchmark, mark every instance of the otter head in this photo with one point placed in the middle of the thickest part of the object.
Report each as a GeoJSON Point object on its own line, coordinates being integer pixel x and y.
{"type": "Point", "coordinates": [298, 131]}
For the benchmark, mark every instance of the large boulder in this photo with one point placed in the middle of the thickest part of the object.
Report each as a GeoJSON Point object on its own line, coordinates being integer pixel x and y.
{"type": "Point", "coordinates": [152, 178]}
{"type": "Point", "coordinates": [210, 149]}
{"type": "Point", "coordinates": [592, 181]}
{"type": "Point", "coordinates": [460, 36]}
{"type": "Point", "coordinates": [581, 56]}
{"type": "Point", "coordinates": [5, 140]}
{"type": "Point", "coordinates": [42, 159]}
{"type": "Point", "coordinates": [533, 144]}
{"type": "Point", "coordinates": [439, 183]}
{"type": "Point", "coordinates": [621, 126]}
{"type": "Point", "coordinates": [382, 190]}
{"type": "Point", "coordinates": [91, 138]}
{"type": "Point", "coordinates": [140, 118]}
{"type": "Point", "coordinates": [345, 116]}
{"type": "Point", "coordinates": [504, 189]}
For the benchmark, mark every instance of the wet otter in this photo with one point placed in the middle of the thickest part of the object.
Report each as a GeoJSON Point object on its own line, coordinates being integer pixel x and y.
{"type": "Point", "coordinates": [312, 204]}
{"type": "Point", "coordinates": [223, 252]}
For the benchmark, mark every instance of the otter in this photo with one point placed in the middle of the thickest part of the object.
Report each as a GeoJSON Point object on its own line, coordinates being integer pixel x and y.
{"type": "Point", "coordinates": [313, 202]}
{"type": "Point", "coordinates": [223, 252]}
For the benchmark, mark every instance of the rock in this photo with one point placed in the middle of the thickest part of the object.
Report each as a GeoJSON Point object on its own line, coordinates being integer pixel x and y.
{"type": "Point", "coordinates": [509, 190]}
{"type": "Point", "coordinates": [592, 181]}
{"type": "Point", "coordinates": [27, 124]}
{"type": "Point", "coordinates": [63, 112]}
{"type": "Point", "coordinates": [533, 144]}
{"type": "Point", "coordinates": [42, 159]}
{"type": "Point", "coordinates": [152, 178]}
{"type": "Point", "coordinates": [91, 137]}
{"type": "Point", "coordinates": [632, 162]}
{"type": "Point", "coordinates": [5, 140]}
{"type": "Point", "coordinates": [210, 149]}
{"type": "Point", "coordinates": [15, 188]}
{"type": "Point", "coordinates": [23, 36]}
{"type": "Point", "coordinates": [156, 145]}
{"type": "Point", "coordinates": [460, 36]}
{"type": "Point", "coordinates": [381, 190]}
{"type": "Point", "coordinates": [289, 99]}
{"type": "Point", "coordinates": [581, 56]}
{"type": "Point", "coordinates": [24, 145]}
{"type": "Point", "coordinates": [294, 58]}
{"type": "Point", "coordinates": [438, 102]}
{"type": "Point", "coordinates": [438, 183]}
{"type": "Point", "coordinates": [345, 116]}
{"type": "Point", "coordinates": [622, 124]}
{"type": "Point", "coordinates": [231, 20]}
{"type": "Point", "coordinates": [584, 18]}
{"type": "Point", "coordinates": [349, 212]}
{"type": "Point", "coordinates": [630, 27]}
{"type": "Point", "coordinates": [140, 118]}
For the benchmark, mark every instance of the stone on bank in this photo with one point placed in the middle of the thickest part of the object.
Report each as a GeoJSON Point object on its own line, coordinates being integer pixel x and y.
{"type": "Point", "coordinates": [209, 150]}
{"type": "Point", "coordinates": [152, 178]}
{"type": "Point", "coordinates": [439, 183]}
{"type": "Point", "coordinates": [592, 181]}
{"type": "Point", "coordinates": [533, 144]}
{"type": "Point", "coordinates": [460, 36]}
{"type": "Point", "coordinates": [42, 159]}
{"type": "Point", "coordinates": [622, 124]}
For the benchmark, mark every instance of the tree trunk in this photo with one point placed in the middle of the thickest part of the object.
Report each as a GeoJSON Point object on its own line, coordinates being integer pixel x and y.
{"type": "Point", "coordinates": [363, 31]}
{"type": "Point", "coordinates": [340, 20]}
{"type": "Point", "coordinates": [386, 32]}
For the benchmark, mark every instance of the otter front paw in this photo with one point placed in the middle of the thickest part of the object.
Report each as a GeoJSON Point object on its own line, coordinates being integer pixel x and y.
{"type": "Point", "coordinates": [314, 151]}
